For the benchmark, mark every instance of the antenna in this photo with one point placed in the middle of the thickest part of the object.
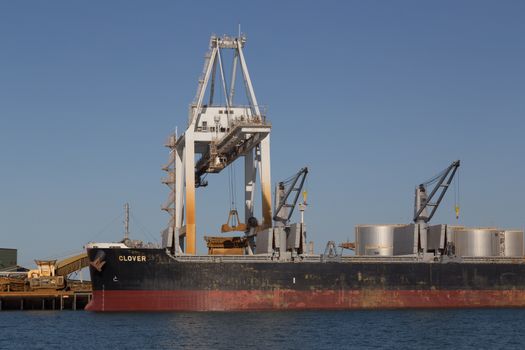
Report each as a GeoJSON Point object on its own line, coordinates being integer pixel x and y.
{"type": "Point", "coordinates": [126, 221]}
{"type": "Point", "coordinates": [239, 28]}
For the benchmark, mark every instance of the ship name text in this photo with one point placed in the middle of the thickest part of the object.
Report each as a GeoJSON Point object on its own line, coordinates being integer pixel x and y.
{"type": "Point", "coordinates": [135, 258]}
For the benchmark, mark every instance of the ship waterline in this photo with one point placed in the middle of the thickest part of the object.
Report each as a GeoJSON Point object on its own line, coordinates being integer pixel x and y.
{"type": "Point", "coordinates": [248, 300]}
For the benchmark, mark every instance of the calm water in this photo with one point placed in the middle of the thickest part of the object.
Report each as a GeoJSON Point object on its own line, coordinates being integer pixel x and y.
{"type": "Point", "coordinates": [447, 329]}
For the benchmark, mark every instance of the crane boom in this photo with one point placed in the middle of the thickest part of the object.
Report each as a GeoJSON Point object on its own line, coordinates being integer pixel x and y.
{"type": "Point", "coordinates": [283, 209]}
{"type": "Point", "coordinates": [424, 208]}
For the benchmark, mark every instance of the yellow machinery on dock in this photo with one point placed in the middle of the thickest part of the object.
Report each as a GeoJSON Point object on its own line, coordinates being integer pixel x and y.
{"type": "Point", "coordinates": [47, 286]}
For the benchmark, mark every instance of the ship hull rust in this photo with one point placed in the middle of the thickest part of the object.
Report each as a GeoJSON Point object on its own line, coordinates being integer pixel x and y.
{"type": "Point", "coordinates": [199, 300]}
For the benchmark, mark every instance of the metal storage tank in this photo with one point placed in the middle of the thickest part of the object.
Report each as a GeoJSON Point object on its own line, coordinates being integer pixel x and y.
{"type": "Point", "coordinates": [477, 241]}
{"type": "Point", "coordinates": [513, 243]}
{"type": "Point", "coordinates": [375, 240]}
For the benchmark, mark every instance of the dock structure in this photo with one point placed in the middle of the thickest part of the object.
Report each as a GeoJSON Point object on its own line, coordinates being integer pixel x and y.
{"type": "Point", "coordinates": [48, 287]}
{"type": "Point", "coordinates": [44, 300]}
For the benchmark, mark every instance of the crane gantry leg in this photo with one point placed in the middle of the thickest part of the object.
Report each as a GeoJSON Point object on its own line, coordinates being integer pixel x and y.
{"type": "Point", "coordinates": [179, 208]}
{"type": "Point", "coordinates": [189, 171]}
{"type": "Point", "coordinates": [250, 173]}
{"type": "Point", "coordinates": [266, 190]}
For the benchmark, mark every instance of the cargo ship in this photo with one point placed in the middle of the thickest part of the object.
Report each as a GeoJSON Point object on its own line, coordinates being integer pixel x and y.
{"type": "Point", "coordinates": [270, 264]}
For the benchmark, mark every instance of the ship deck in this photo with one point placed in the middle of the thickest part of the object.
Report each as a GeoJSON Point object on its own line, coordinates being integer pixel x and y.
{"type": "Point", "coordinates": [346, 259]}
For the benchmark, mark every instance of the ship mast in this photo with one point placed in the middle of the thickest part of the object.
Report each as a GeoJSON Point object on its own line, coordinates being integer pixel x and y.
{"type": "Point", "coordinates": [126, 222]}
{"type": "Point", "coordinates": [220, 132]}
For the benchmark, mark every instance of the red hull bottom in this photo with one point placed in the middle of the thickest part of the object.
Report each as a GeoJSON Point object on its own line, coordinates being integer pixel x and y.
{"type": "Point", "coordinates": [300, 300]}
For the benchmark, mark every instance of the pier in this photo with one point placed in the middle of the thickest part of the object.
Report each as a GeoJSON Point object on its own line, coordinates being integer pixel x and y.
{"type": "Point", "coordinates": [44, 300]}
{"type": "Point", "coordinates": [48, 287]}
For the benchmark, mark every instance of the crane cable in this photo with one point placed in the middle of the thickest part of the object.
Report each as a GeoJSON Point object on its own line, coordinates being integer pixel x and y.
{"type": "Point", "coordinates": [232, 193]}
{"type": "Point", "coordinates": [456, 195]}
{"type": "Point", "coordinates": [305, 192]}
{"type": "Point", "coordinates": [435, 178]}
{"type": "Point", "coordinates": [230, 201]}
{"type": "Point", "coordinates": [456, 188]}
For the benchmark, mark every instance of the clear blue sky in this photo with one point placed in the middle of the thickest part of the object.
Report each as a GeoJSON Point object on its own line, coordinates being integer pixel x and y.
{"type": "Point", "coordinates": [374, 96]}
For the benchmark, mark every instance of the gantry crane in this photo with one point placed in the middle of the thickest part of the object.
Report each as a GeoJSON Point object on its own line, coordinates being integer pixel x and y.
{"type": "Point", "coordinates": [220, 132]}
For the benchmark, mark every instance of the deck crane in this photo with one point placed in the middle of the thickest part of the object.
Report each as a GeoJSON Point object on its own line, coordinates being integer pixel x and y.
{"type": "Point", "coordinates": [423, 201]}
{"type": "Point", "coordinates": [220, 132]}
{"type": "Point", "coordinates": [291, 187]}
{"type": "Point", "coordinates": [290, 239]}
{"type": "Point", "coordinates": [425, 208]}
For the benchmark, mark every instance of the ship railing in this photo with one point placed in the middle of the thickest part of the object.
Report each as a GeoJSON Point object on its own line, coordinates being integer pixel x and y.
{"type": "Point", "coordinates": [311, 258]}
{"type": "Point", "coordinates": [415, 258]}
{"type": "Point", "coordinates": [494, 259]}
{"type": "Point", "coordinates": [222, 258]}
{"type": "Point", "coordinates": [304, 258]}
{"type": "Point", "coordinates": [392, 259]}
{"type": "Point", "coordinates": [340, 258]}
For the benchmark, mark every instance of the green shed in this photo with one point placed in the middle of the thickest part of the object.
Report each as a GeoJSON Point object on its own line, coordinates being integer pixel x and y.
{"type": "Point", "coordinates": [7, 258]}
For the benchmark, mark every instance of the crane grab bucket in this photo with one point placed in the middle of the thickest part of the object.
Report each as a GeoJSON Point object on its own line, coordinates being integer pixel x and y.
{"type": "Point", "coordinates": [233, 223]}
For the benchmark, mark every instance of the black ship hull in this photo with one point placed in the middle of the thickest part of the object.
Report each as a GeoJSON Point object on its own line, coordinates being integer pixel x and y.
{"type": "Point", "coordinates": [153, 280]}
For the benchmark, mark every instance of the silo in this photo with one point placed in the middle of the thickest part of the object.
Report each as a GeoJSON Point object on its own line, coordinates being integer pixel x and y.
{"type": "Point", "coordinates": [513, 243]}
{"type": "Point", "coordinates": [375, 240]}
{"type": "Point", "coordinates": [476, 241]}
